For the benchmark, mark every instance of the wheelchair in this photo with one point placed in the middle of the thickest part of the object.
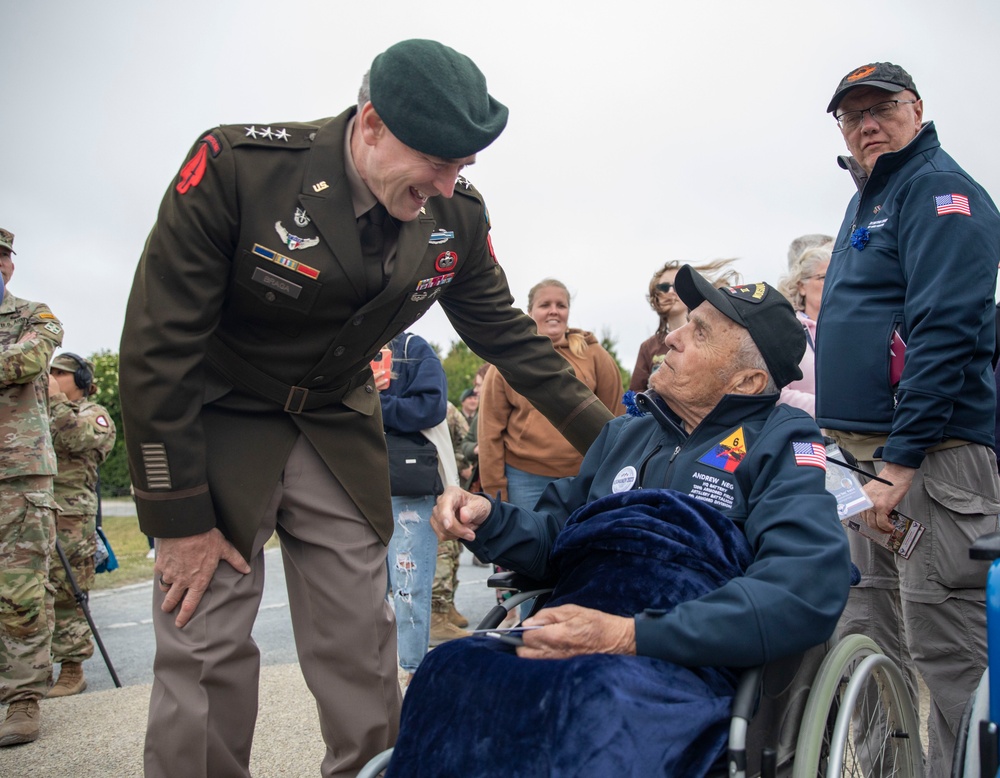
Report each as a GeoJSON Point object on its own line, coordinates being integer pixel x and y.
{"type": "Point", "coordinates": [840, 710]}
{"type": "Point", "coordinates": [977, 744]}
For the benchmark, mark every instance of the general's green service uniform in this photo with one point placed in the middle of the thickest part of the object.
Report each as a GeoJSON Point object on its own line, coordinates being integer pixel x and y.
{"type": "Point", "coordinates": [248, 336]}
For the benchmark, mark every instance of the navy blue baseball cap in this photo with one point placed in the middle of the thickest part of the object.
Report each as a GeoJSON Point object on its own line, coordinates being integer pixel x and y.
{"type": "Point", "coordinates": [762, 310]}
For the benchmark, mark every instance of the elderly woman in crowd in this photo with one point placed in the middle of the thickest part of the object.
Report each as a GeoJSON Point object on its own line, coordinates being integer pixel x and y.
{"type": "Point", "coordinates": [803, 286]}
{"type": "Point", "coordinates": [672, 312]}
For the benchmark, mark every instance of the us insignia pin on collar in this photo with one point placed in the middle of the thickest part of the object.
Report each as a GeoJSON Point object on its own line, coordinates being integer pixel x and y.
{"type": "Point", "coordinates": [294, 241]}
{"type": "Point", "coordinates": [320, 186]}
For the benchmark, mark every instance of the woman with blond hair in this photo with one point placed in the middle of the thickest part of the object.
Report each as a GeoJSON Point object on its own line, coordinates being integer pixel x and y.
{"type": "Point", "coordinates": [803, 286]}
{"type": "Point", "coordinates": [520, 451]}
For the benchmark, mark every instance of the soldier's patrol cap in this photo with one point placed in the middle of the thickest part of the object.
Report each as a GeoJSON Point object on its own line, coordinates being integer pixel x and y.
{"type": "Point", "coordinates": [434, 99]}
{"type": "Point", "coordinates": [762, 310]}
{"type": "Point", "coordinates": [7, 240]}
{"type": "Point", "coordinates": [881, 75]}
{"type": "Point", "coordinates": [71, 363]}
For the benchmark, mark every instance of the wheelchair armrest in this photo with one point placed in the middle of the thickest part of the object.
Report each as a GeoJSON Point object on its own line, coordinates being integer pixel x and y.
{"type": "Point", "coordinates": [515, 581]}
{"type": "Point", "coordinates": [748, 692]}
{"type": "Point", "coordinates": [986, 547]}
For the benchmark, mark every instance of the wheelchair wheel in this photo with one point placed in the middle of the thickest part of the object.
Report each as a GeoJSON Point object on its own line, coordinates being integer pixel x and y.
{"type": "Point", "coordinates": [859, 719]}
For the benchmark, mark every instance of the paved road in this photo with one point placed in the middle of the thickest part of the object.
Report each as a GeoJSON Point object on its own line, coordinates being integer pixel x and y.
{"type": "Point", "coordinates": [101, 731]}
{"type": "Point", "coordinates": [123, 620]}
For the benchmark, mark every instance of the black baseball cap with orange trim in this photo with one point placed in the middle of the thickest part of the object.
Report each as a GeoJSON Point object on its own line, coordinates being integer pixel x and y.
{"type": "Point", "coordinates": [881, 75]}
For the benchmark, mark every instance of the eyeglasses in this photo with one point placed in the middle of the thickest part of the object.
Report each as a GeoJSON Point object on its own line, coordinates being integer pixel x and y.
{"type": "Point", "coordinates": [663, 287]}
{"type": "Point", "coordinates": [880, 112]}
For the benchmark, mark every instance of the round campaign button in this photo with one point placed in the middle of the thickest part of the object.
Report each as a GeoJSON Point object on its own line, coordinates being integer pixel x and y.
{"type": "Point", "coordinates": [625, 479]}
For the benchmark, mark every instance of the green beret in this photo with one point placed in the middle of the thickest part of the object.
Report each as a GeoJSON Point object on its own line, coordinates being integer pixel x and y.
{"type": "Point", "coordinates": [434, 99]}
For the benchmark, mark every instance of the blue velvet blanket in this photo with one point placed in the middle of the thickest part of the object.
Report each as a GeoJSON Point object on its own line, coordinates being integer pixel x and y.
{"type": "Point", "coordinates": [475, 709]}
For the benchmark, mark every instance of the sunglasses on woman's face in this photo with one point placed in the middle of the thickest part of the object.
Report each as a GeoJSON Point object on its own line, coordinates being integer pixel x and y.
{"type": "Point", "coordinates": [664, 287]}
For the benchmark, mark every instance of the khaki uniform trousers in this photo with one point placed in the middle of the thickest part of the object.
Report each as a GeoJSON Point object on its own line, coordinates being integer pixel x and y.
{"type": "Point", "coordinates": [203, 705]}
{"type": "Point", "coordinates": [928, 612]}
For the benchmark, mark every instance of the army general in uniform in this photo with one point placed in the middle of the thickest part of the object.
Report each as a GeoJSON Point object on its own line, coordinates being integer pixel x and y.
{"type": "Point", "coordinates": [83, 435]}
{"type": "Point", "coordinates": [283, 257]}
{"type": "Point", "coordinates": [29, 333]}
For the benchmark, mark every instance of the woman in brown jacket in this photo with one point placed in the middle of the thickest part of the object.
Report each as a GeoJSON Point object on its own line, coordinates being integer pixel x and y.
{"type": "Point", "coordinates": [520, 451]}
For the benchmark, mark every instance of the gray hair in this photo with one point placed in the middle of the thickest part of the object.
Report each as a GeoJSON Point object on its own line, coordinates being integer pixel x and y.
{"type": "Point", "coordinates": [365, 92]}
{"type": "Point", "coordinates": [748, 357]}
{"type": "Point", "coordinates": [803, 267]}
{"type": "Point", "coordinates": [804, 242]}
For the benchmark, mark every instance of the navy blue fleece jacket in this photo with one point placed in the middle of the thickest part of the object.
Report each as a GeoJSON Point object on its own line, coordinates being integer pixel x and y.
{"type": "Point", "coordinates": [417, 397]}
{"type": "Point", "coordinates": [903, 262]}
{"type": "Point", "coordinates": [741, 460]}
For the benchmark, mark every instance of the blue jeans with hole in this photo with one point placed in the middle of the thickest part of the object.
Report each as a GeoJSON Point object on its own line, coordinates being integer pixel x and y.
{"type": "Point", "coordinates": [523, 490]}
{"type": "Point", "coordinates": [412, 559]}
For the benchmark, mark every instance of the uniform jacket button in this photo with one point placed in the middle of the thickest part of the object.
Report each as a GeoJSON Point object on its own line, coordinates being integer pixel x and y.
{"type": "Point", "coordinates": [338, 351]}
{"type": "Point", "coordinates": [319, 379]}
{"type": "Point", "coordinates": [356, 321]}
{"type": "Point", "coordinates": [369, 388]}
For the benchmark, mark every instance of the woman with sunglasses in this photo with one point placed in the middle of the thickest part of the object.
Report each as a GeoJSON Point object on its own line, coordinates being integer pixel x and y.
{"type": "Point", "coordinates": [672, 312]}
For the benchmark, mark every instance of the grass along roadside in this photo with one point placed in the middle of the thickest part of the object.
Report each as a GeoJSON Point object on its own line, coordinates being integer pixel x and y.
{"type": "Point", "coordinates": [131, 547]}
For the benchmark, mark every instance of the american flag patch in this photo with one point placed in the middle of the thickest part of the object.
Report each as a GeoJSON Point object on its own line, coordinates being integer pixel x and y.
{"type": "Point", "coordinates": [952, 203]}
{"type": "Point", "coordinates": [811, 454]}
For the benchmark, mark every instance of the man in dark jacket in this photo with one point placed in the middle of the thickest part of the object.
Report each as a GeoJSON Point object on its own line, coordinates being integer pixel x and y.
{"type": "Point", "coordinates": [904, 382]}
{"type": "Point", "coordinates": [710, 429]}
{"type": "Point", "coordinates": [283, 257]}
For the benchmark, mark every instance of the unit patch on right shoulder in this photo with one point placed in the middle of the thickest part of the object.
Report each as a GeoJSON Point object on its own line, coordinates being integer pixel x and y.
{"type": "Point", "coordinates": [194, 169]}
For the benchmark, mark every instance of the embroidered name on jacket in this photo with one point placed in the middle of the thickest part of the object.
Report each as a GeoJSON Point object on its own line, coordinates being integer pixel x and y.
{"type": "Point", "coordinates": [713, 489]}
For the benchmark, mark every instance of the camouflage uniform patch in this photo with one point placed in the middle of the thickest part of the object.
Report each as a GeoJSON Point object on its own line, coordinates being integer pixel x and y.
{"type": "Point", "coordinates": [27, 542]}
{"type": "Point", "coordinates": [446, 569]}
{"type": "Point", "coordinates": [445, 575]}
{"type": "Point", "coordinates": [29, 333]}
{"type": "Point", "coordinates": [83, 435]}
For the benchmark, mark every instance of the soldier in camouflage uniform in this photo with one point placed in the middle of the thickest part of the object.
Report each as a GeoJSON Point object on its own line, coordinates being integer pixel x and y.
{"type": "Point", "coordinates": [29, 333]}
{"type": "Point", "coordinates": [446, 569]}
{"type": "Point", "coordinates": [83, 435]}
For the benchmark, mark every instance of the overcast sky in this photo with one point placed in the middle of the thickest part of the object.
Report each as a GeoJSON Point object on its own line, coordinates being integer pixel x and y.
{"type": "Point", "coordinates": [638, 132]}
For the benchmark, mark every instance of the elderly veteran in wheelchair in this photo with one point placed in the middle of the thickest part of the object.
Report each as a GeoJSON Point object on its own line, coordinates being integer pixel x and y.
{"type": "Point", "coordinates": [697, 539]}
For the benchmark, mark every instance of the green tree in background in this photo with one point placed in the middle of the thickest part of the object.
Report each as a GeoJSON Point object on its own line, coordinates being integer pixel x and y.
{"type": "Point", "coordinates": [114, 472]}
{"type": "Point", "coordinates": [461, 364]}
{"type": "Point", "coordinates": [610, 342]}
{"type": "Point", "coordinates": [460, 367]}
